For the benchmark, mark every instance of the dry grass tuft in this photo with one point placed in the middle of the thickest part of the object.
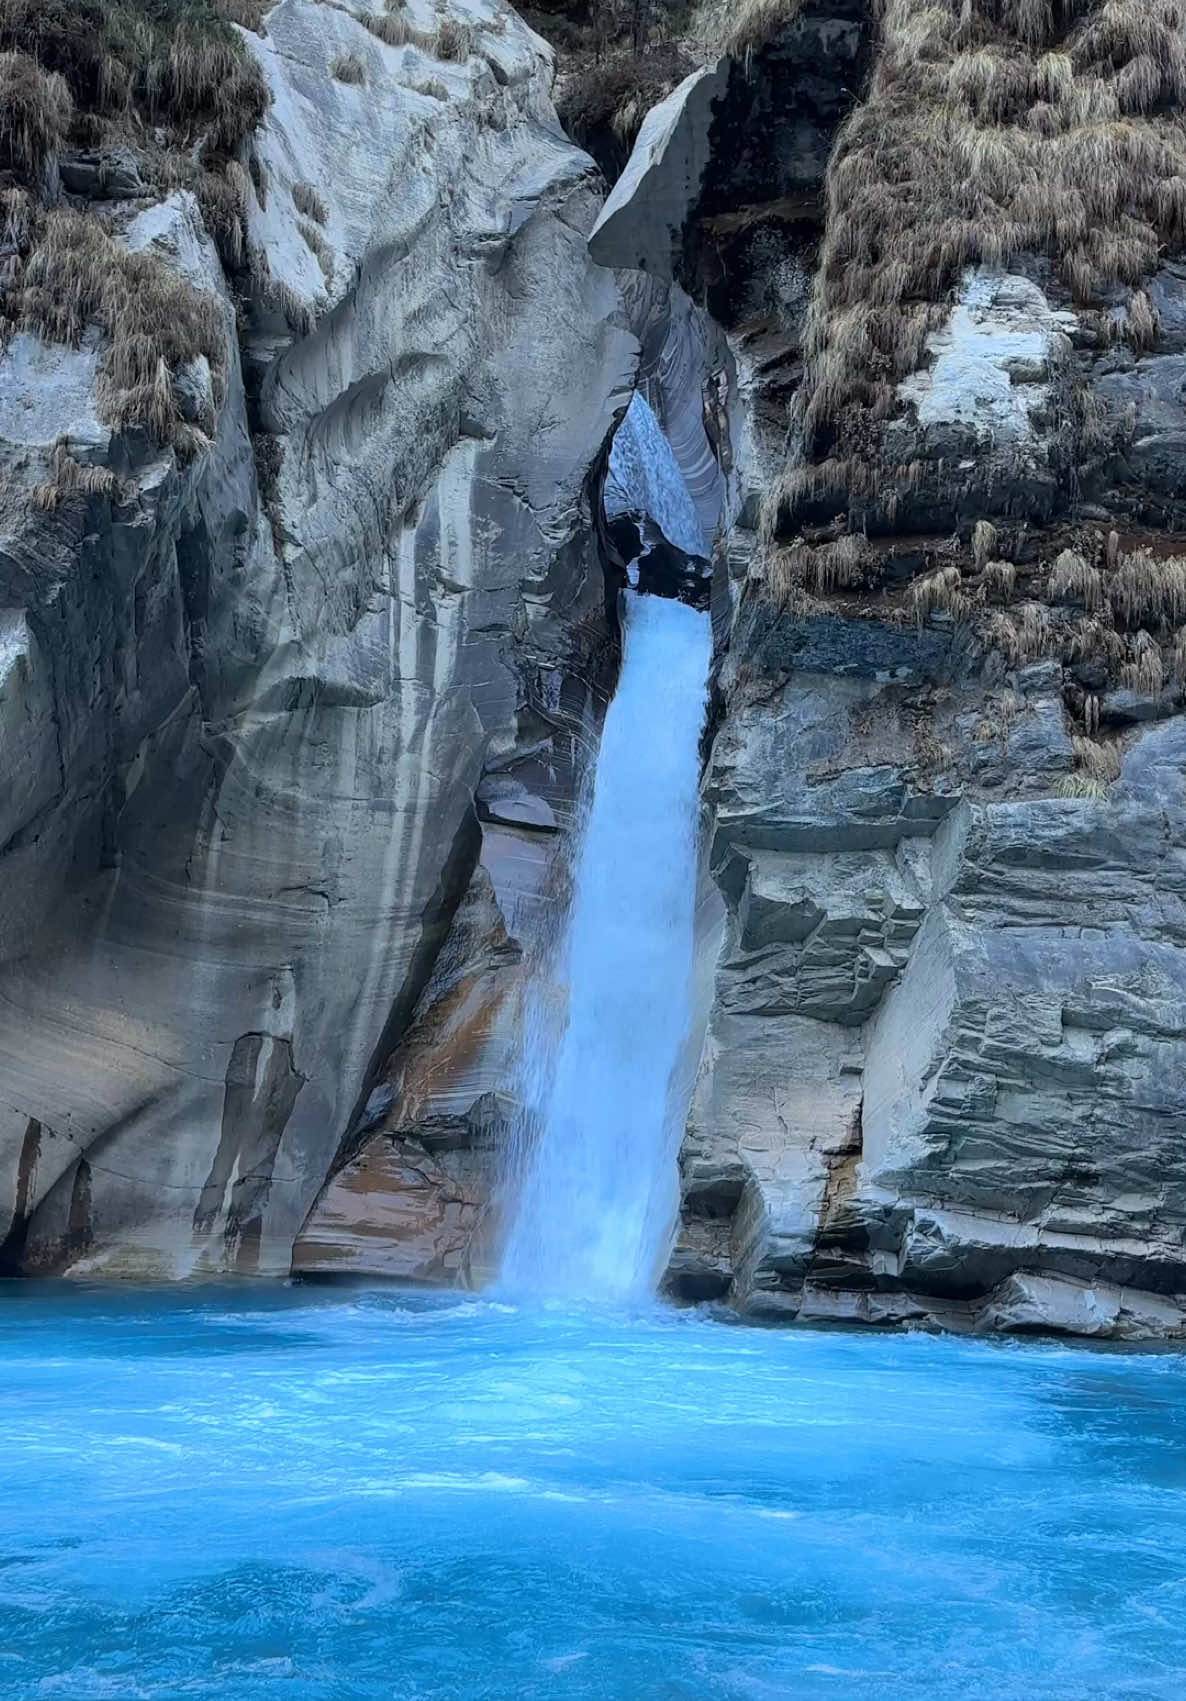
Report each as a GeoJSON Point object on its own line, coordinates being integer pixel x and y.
{"type": "Point", "coordinates": [224, 196]}
{"type": "Point", "coordinates": [1177, 657]}
{"type": "Point", "coordinates": [999, 578]}
{"type": "Point", "coordinates": [309, 203]}
{"type": "Point", "coordinates": [393, 29]}
{"type": "Point", "coordinates": [1072, 579]}
{"type": "Point", "coordinates": [753, 24]}
{"type": "Point", "coordinates": [320, 247]}
{"type": "Point", "coordinates": [279, 297]}
{"type": "Point", "coordinates": [35, 110]}
{"type": "Point", "coordinates": [938, 593]}
{"type": "Point", "coordinates": [1024, 634]}
{"type": "Point", "coordinates": [348, 68]}
{"type": "Point", "coordinates": [1081, 786]}
{"type": "Point", "coordinates": [1141, 323]}
{"type": "Point", "coordinates": [1144, 672]}
{"type": "Point", "coordinates": [1092, 638]}
{"type": "Point", "coordinates": [984, 543]}
{"type": "Point", "coordinates": [154, 321]}
{"type": "Point", "coordinates": [17, 215]}
{"type": "Point", "coordinates": [1148, 590]}
{"type": "Point", "coordinates": [1034, 631]}
{"type": "Point", "coordinates": [817, 569]}
{"type": "Point", "coordinates": [1099, 761]}
{"type": "Point", "coordinates": [455, 41]}
{"type": "Point", "coordinates": [69, 477]}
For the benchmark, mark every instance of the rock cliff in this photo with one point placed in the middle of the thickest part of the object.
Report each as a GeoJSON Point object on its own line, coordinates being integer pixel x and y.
{"type": "Point", "coordinates": [944, 1077]}
{"type": "Point", "coordinates": [276, 711]}
{"type": "Point", "coordinates": [296, 695]}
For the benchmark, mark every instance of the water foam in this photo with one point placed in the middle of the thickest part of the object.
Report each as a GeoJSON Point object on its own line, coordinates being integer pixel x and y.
{"type": "Point", "coordinates": [597, 1189]}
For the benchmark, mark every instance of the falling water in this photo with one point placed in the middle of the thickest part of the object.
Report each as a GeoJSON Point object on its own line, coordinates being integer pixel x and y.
{"type": "Point", "coordinates": [598, 1189]}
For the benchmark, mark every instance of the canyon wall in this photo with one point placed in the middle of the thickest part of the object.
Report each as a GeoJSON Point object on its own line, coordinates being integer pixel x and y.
{"type": "Point", "coordinates": [279, 714]}
{"type": "Point", "coordinates": [944, 1078]}
{"type": "Point", "coordinates": [295, 708]}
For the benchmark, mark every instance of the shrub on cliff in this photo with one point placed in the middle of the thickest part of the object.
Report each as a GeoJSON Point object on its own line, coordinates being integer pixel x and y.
{"type": "Point", "coordinates": [174, 63]}
{"type": "Point", "coordinates": [34, 113]}
{"type": "Point", "coordinates": [603, 106]}
{"type": "Point", "coordinates": [989, 132]}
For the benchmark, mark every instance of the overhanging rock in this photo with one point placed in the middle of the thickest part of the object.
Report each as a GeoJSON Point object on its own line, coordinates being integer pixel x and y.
{"type": "Point", "coordinates": [641, 225]}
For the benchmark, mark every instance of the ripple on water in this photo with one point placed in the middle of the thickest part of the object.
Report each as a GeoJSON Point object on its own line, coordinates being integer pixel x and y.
{"type": "Point", "coordinates": [369, 1496]}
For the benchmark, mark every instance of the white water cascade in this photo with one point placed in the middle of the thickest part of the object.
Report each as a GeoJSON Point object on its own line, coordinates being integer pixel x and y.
{"type": "Point", "coordinates": [598, 1180]}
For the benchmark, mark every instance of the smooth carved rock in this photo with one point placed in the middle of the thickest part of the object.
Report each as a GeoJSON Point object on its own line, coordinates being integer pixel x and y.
{"type": "Point", "coordinates": [641, 226]}
{"type": "Point", "coordinates": [253, 699]}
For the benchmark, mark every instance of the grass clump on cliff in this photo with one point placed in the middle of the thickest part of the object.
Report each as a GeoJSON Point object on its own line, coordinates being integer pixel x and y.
{"type": "Point", "coordinates": [753, 24]}
{"type": "Point", "coordinates": [452, 38]}
{"type": "Point", "coordinates": [35, 113]}
{"type": "Point", "coordinates": [174, 79]}
{"type": "Point", "coordinates": [309, 203]}
{"type": "Point", "coordinates": [992, 128]}
{"type": "Point", "coordinates": [70, 477]}
{"type": "Point", "coordinates": [155, 323]}
{"type": "Point", "coordinates": [176, 64]}
{"type": "Point", "coordinates": [348, 68]}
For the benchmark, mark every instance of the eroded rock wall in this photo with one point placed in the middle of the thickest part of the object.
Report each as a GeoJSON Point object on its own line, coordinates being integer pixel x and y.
{"type": "Point", "coordinates": [254, 706]}
{"type": "Point", "coordinates": [945, 1066]}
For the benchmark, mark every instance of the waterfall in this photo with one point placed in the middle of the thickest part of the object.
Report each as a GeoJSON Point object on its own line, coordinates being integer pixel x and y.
{"type": "Point", "coordinates": [598, 1181]}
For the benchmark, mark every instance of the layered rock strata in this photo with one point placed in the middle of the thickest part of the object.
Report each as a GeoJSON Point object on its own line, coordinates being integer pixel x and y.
{"type": "Point", "coordinates": [943, 1074]}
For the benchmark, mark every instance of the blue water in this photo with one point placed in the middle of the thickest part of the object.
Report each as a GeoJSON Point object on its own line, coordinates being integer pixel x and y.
{"type": "Point", "coordinates": [297, 1495]}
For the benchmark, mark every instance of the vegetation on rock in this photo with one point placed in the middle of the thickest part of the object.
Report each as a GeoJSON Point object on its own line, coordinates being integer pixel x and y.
{"type": "Point", "coordinates": [750, 25]}
{"type": "Point", "coordinates": [35, 112]}
{"type": "Point", "coordinates": [348, 68]}
{"type": "Point", "coordinates": [155, 322]}
{"type": "Point", "coordinates": [172, 79]}
{"type": "Point", "coordinates": [172, 63]}
{"type": "Point", "coordinates": [989, 131]}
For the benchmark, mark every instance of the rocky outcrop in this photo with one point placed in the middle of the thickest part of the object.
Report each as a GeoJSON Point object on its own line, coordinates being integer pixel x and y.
{"type": "Point", "coordinates": [945, 1068]}
{"type": "Point", "coordinates": [943, 1074]}
{"type": "Point", "coordinates": [272, 717]}
{"type": "Point", "coordinates": [293, 724]}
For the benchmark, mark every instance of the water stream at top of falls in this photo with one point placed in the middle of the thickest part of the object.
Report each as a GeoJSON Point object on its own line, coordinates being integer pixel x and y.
{"type": "Point", "coordinates": [597, 1182]}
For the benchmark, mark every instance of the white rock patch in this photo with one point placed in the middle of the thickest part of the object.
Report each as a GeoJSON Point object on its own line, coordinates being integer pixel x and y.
{"type": "Point", "coordinates": [992, 359]}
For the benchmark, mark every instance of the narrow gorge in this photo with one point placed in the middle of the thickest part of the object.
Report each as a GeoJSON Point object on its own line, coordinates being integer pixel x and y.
{"type": "Point", "coordinates": [382, 486]}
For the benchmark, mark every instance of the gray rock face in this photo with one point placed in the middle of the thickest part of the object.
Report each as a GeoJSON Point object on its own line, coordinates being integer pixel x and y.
{"type": "Point", "coordinates": [945, 1075]}
{"type": "Point", "coordinates": [944, 1070]}
{"type": "Point", "coordinates": [246, 708]}
{"type": "Point", "coordinates": [641, 226]}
